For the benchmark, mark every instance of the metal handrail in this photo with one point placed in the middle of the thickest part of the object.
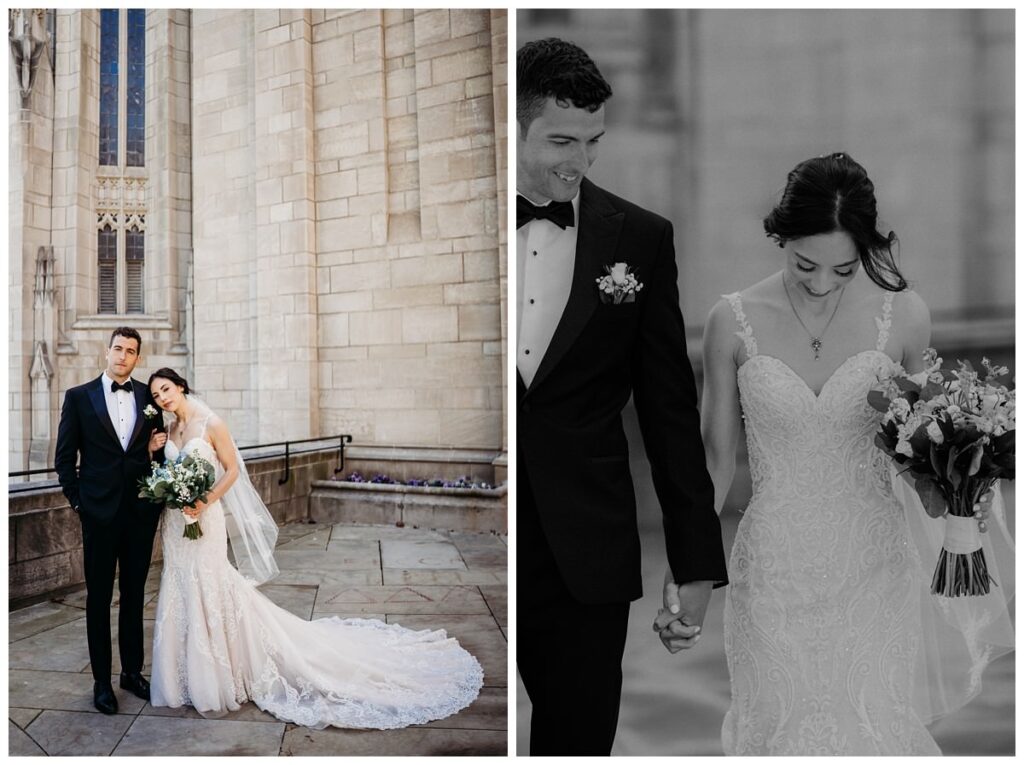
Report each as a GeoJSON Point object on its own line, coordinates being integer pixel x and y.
{"type": "Point", "coordinates": [342, 439]}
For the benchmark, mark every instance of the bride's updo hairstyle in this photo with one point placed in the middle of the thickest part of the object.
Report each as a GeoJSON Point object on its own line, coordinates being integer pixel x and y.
{"type": "Point", "coordinates": [167, 373]}
{"type": "Point", "coordinates": [833, 193]}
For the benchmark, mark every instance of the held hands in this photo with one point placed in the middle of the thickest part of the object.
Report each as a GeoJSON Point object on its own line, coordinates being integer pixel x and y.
{"type": "Point", "coordinates": [678, 624]}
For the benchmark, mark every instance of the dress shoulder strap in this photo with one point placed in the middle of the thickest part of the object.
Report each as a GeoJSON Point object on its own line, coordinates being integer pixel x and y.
{"type": "Point", "coordinates": [884, 322]}
{"type": "Point", "coordinates": [745, 333]}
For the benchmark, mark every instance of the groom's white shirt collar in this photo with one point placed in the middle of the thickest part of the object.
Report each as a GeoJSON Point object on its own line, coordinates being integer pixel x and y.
{"type": "Point", "coordinates": [545, 258]}
{"type": "Point", "coordinates": [121, 408]}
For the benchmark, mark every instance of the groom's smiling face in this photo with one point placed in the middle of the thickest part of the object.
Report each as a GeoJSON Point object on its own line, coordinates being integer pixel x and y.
{"type": "Point", "coordinates": [556, 150]}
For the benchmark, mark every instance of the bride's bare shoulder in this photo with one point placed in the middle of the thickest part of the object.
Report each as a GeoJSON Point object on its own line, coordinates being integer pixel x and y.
{"type": "Point", "coordinates": [763, 294]}
{"type": "Point", "coordinates": [216, 426]}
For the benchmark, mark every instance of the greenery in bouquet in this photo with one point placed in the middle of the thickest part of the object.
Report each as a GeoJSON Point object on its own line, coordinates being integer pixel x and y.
{"type": "Point", "coordinates": [180, 483]}
{"type": "Point", "coordinates": [954, 432]}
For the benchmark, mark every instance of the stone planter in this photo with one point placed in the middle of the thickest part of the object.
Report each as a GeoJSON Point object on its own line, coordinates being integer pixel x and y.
{"type": "Point", "coordinates": [419, 506]}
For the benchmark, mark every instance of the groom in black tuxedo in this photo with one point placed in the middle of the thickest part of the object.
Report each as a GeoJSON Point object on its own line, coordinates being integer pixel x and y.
{"type": "Point", "coordinates": [599, 321]}
{"type": "Point", "coordinates": [106, 429]}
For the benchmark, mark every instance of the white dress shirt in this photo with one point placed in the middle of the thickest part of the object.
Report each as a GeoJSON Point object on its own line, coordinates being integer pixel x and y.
{"type": "Point", "coordinates": [121, 408]}
{"type": "Point", "coordinates": [545, 260]}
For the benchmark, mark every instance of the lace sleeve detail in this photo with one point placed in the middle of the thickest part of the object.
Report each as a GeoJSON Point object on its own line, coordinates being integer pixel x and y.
{"type": "Point", "coordinates": [745, 333]}
{"type": "Point", "coordinates": [884, 322]}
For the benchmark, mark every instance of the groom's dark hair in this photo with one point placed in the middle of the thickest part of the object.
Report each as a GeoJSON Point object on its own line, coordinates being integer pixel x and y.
{"type": "Point", "coordinates": [553, 68]}
{"type": "Point", "coordinates": [126, 332]}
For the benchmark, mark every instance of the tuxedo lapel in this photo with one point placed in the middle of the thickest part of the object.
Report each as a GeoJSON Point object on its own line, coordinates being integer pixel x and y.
{"type": "Point", "coordinates": [600, 224]}
{"type": "Point", "coordinates": [99, 404]}
{"type": "Point", "coordinates": [140, 417]}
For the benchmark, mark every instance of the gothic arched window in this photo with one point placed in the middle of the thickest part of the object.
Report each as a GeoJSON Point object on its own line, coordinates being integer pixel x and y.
{"type": "Point", "coordinates": [121, 176]}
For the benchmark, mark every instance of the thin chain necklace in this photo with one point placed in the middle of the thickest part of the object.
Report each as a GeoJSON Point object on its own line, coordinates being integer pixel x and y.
{"type": "Point", "coordinates": [185, 422]}
{"type": "Point", "coordinates": [815, 340]}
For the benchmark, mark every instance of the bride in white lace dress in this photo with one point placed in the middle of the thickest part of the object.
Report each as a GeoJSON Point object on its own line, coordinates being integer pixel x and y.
{"type": "Point", "coordinates": [219, 642]}
{"type": "Point", "coordinates": [824, 632]}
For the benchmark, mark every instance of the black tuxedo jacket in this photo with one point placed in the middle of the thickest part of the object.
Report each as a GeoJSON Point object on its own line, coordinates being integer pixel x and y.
{"type": "Point", "coordinates": [107, 476]}
{"type": "Point", "coordinates": [571, 439]}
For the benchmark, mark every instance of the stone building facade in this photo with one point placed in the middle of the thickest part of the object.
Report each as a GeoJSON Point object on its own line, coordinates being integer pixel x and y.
{"type": "Point", "coordinates": [322, 206]}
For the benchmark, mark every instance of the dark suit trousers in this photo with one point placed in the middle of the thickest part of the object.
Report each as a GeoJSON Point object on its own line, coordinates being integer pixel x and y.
{"type": "Point", "coordinates": [569, 654]}
{"type": "Point", "coordinates": [127, 542]}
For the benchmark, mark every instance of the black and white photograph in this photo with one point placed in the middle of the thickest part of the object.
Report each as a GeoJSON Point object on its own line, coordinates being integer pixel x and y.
{"type": "Point", "coordinates": [765, 418]}
{"type": "Point", "coordinates": [258, 433]}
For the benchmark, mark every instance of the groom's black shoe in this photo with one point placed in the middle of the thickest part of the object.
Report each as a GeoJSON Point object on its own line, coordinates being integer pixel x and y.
{"type": "Point", "coordinates": [103, 698]}
{"type": "Point", "coordinates": [136, 683]}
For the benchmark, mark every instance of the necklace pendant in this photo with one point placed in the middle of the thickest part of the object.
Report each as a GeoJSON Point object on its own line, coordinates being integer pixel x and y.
{"type": "Point", "coordinates": [816, 345]}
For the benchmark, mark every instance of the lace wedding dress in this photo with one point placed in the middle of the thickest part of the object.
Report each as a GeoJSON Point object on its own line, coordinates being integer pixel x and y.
{"type": "Point", "coordinates": [220, 642]}
{"type": "Point", "coordinates": [822, 626]}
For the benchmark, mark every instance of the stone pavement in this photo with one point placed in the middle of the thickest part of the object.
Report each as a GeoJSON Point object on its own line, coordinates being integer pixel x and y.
{"type": "Point", "coordinates": [418, 578]}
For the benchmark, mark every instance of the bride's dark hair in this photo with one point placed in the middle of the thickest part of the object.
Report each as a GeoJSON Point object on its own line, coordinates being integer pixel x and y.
{"type": "Point", "coordinates": [833, 193]}
{"type": "Point", "coordinates": [169, 374]}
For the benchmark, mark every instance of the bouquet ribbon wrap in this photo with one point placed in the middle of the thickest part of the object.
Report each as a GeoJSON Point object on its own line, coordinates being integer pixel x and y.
{"type": "Point", "coordinates": [962, 535]}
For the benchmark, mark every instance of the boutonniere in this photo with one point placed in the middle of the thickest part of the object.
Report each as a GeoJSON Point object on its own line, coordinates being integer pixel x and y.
{"type": "Point", "coordinates": [150, 412]}
{"type": "Point", "coordinates": [618, 285]}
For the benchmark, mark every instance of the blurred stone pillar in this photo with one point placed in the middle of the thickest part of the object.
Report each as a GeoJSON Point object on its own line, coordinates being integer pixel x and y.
{"type": "Point", "coordinates": [988, 246]}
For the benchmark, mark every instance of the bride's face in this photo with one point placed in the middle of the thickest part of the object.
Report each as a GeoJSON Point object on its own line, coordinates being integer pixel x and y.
{"type": "Point", "coordinates": [166, 394]}
{"type": "Point", "coordinates": [819, 265]}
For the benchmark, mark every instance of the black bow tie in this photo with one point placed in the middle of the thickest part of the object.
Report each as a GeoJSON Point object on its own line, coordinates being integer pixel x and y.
{"type": "Point", "coordinates": [559, 213]}
{"type": "Point", "coordinates": [115, 386]}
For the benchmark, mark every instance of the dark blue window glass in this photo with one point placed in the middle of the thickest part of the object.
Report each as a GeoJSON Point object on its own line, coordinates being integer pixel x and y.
{"type": "Point", "coordinates": [136, 96]}
{"type": "Point", "coordinates": [108, 86]}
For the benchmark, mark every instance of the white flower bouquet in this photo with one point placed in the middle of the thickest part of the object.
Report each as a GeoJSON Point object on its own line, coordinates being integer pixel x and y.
{"type": "Point", "coordinates": [954, 433]}
{"type": "Point", "coordinates": [180, 483]}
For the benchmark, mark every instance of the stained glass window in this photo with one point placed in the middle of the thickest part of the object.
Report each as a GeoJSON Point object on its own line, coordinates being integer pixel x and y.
{"type": "Point", "coordinates": [109, 34]}
{"type": "Point", "coordinates": [136, 95]}
{"type": "Point", "coordinates": [135, 260]}
{"type": "Point", "coordinates": [106, 246]}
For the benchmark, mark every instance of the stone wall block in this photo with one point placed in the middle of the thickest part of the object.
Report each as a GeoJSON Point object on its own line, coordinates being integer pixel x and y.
{"type": "Point", "coordinates": [432, 26]}
{"type": "Point", "coordinates": [436, 269]}
{"type": "Point", "coordinates": [376, 327]}
{"type": "Point", "coordinates": [480, 322]}
{"type": "Point", "coordinates": [430, 324]}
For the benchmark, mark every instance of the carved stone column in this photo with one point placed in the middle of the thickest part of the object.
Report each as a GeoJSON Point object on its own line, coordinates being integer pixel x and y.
{"type": "Point", "coordinates": [26, 31]}
{"type": "Point", "coordinates": [41, 372]}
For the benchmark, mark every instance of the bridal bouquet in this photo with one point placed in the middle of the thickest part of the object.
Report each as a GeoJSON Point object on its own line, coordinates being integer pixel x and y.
{"type": "Point", "coordinates": [180, 483]}
{"type": "Point", "coordinates": [954, 432]}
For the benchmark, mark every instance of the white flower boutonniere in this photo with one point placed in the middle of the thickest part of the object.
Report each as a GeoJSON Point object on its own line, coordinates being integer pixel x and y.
{"type": "Point", "coordinates": [618, 285]}
{"type": "Point", "coordinates": [150, 412]}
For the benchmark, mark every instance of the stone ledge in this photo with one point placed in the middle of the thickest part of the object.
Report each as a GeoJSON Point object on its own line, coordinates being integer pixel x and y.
{"type": "Point", "coordinates": [407, 462]}
{"type": "Point", "coordinates": [418, 506]}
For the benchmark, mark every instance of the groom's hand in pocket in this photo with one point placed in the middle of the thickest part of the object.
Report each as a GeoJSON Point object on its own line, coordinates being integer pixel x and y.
{"type": "Point", "coordinates": [679, 623]}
